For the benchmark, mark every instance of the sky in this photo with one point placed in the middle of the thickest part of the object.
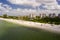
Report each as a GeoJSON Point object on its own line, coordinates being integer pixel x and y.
{"type": "Point", "coordinates": [26, 7]}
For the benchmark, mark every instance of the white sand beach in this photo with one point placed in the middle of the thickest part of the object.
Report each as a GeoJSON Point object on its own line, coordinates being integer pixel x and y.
{"type": "Point", "coordinates": [48, 27]}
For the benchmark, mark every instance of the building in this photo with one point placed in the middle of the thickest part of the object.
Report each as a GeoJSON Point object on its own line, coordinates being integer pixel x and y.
{"type": "Point", "coordinates": [52, 15]}
{"type": "Point", "coordinates": [59, 15]}
{"type": "Point", "coordinates": [42, 15]}
{"type": "Point", "coordinates": [32, 16]}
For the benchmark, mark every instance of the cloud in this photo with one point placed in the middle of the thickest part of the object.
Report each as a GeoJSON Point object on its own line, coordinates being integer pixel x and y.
{"type": "Point", "coordinates": [49, 4]}
{"type": "Point", "coordinates": [24, 2]}
{"type": "Point", "coordinates": [6, 9]}
{"type": "Point", "coordinates": [21, 12]}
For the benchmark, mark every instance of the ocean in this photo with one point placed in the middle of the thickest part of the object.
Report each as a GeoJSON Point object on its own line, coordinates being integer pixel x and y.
{"type": "Point", "coordinates": [11, 31]}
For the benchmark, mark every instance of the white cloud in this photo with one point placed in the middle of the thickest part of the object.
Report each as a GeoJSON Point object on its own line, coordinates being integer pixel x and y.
{"type": "Point", "coordinates": [24, 2]}
{"type": "Point", "coordinates": [6, 9]}
{"type": "Point", "coordinates": [22, 12]}
{"type": "Point", "coordinates": [49, 4]}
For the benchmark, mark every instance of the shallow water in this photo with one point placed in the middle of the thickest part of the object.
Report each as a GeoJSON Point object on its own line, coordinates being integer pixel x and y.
{"type": "Point", "coordinates": [10, 31]}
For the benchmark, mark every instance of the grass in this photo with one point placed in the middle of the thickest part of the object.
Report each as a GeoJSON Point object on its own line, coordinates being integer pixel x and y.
{"type": "Point", "coordinates": [10, 31]}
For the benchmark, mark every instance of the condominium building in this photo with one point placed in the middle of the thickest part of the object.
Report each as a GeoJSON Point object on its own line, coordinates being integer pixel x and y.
{"type": "Point", "coordinates": [42, 15]}
{"type": "Point", "coordinates": [32, 15]}
{"type": "Point", "coordinates": [59, 15]}
{"type": "Point", "coordinates": [52, 15]}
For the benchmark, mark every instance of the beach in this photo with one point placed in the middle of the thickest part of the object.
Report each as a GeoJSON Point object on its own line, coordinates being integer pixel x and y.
{"type": "Point", "coordinates": [48, 27]}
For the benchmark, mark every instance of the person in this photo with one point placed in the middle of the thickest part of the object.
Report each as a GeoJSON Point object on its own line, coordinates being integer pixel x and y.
{"type": "Point", "coordinates": [41, 24]}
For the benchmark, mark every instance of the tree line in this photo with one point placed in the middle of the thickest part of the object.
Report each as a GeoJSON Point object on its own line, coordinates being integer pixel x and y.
{"type": "Point", "coordinates": [55, 20]}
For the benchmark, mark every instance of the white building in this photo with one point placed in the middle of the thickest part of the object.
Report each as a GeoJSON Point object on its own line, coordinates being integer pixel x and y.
{"type": "Point", "coordinates": [42, 15]}
{"type": "Point", "coordinates": [32, 16]}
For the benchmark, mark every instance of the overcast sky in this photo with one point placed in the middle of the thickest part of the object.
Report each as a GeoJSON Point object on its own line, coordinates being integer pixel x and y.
{"type": "Point", "coordinates": [25, 7]}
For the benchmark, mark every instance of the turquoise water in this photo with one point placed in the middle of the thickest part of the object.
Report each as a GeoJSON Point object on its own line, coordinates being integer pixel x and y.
{"type": "Point", "coordinates": [10, 31]}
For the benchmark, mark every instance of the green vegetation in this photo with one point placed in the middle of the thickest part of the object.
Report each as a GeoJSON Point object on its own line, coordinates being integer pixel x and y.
{"type": "Point", "coordinates": [11, 31]}
{"type": "Point", "coordinates": [4, 16]}
{"type": "Point", "coordinates": [55, 20]}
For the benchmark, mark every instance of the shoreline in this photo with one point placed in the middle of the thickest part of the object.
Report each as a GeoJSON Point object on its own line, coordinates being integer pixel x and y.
{"type": "Point", "coordinates": [48, 27]}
